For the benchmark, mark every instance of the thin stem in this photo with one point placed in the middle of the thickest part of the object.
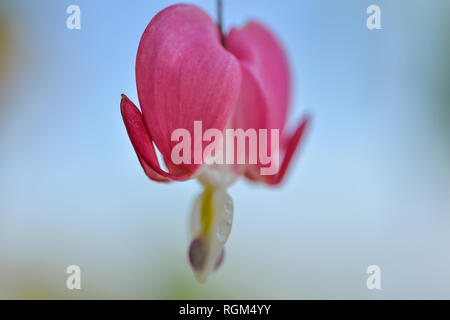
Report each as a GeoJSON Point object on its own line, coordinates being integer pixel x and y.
{"type": "Point", "coordinates": [219, 21]}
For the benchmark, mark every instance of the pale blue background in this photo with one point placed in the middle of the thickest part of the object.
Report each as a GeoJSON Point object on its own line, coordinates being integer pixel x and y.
{"type": "Point", "coordinates": [370, 186]}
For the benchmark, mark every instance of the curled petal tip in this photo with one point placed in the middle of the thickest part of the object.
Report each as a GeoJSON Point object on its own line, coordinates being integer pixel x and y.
{"type": "Point", "coordinates": [143, 144]}
{"type": "Point", "coordinates": [292, 144]}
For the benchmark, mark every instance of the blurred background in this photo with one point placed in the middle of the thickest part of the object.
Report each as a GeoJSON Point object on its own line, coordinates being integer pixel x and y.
{"type": "Point", "coordinates": [370, 186]}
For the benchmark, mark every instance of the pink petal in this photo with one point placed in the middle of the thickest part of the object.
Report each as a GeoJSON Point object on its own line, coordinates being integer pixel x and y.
{"type": "Point", "coordinates": [264, 98]}
{"type": "Point", "coordinates": [265, 65]}
{"type": "Point", "coordinates": [292, 145]}
{"type": "Point", "coordinates": [184, 74]}
{"type": "Point", "coordinates": [252, 172]}
{"type": "Point", "coordinates": [142, 143]}
{"type": "Point", "coordinates": [251, 111]}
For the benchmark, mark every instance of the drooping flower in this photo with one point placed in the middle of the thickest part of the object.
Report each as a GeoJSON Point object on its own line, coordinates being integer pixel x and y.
{"type": "Point", "coordinates": [185, 74]}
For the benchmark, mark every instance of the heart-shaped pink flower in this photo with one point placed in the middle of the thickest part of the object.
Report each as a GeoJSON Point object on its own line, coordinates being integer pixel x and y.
{"type": "Point", "coordinates": [184, 74]}
{"type": "Point", "coordinates": [187, 72]}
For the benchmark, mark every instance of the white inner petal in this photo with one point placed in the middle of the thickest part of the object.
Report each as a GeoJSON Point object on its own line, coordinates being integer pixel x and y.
{"type": "Point", "coordinates": [211, 222]}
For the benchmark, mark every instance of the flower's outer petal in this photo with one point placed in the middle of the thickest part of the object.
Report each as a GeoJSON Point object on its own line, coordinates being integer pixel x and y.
{"type": "Point", "coordinates": [264, 98]}
{"type": "Point", "coordinates": [150, 172]}
{"type": "Point", "coordinates": [184, 74]}
{"type": "Point", "coordinates": [142, 143]}
{"type": "Point", "coordinates": [292, 144]}
{"type": "Point", "coordinates": [251, 112]}
{"type": "Point", "coordinates": [252, 109]}
{"type": "Point", "coordinates": [264, 64]}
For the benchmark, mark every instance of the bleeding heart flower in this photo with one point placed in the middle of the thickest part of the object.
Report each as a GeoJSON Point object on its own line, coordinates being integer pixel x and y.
{"type": "Point", "coordinates": [184, 73]}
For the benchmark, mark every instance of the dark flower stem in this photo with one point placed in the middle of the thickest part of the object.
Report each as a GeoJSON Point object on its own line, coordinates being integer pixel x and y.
{"type": "Point", "coordinates": [219, 21]}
